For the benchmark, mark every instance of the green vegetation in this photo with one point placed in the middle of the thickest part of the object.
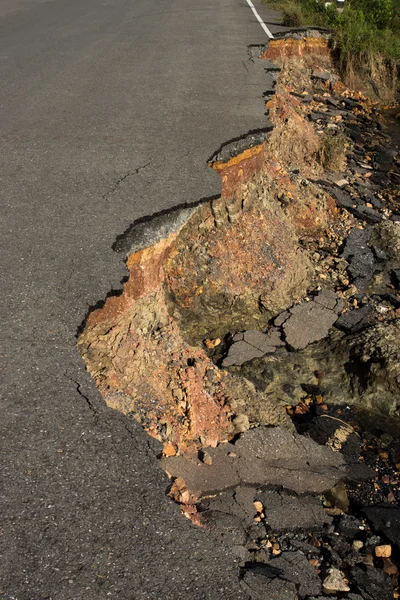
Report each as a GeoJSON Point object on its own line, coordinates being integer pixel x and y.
{"type": "Point", "coordinates": [366, 33]}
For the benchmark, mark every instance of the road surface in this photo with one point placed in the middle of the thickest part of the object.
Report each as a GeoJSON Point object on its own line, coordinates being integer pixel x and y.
{"type": "Point", "coordinates": [110, 109]}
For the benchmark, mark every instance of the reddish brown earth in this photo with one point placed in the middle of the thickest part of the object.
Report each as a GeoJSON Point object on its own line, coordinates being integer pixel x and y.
{"type": "Point", "coordinates": [233, 265]}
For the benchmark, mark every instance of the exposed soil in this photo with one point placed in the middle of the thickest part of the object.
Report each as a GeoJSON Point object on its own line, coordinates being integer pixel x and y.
{"type": "Point", "coordinates": [277, 304]}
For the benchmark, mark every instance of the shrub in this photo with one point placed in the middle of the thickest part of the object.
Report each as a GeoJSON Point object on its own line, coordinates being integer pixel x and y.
{"type": "Point", "coordinates": [366, 35]}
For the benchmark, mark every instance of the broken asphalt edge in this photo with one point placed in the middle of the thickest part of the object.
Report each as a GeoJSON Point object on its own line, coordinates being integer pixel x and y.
{"type": "Point", "coordinates": [150, 229]}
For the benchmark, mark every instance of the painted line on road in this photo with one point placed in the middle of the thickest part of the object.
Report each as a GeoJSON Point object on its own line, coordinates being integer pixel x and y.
{"type": "Point", "coordinates": [259, 19]}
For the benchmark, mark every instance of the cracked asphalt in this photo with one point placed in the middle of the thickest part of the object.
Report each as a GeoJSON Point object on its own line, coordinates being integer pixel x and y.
{"type": "Point", "coordinates": [110, 110]}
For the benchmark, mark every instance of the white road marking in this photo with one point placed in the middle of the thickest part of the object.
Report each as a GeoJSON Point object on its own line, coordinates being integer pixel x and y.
{"type": "Point", "coordinates": [259, 19]}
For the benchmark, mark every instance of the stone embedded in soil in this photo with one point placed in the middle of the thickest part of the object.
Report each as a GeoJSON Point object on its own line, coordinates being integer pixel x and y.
{"type": "Point", "coordinates": [339, 180]}
{"type": "Point", "coordinates": [384, 159]}
{"type": "Point", "coordinates": [263, 456]}
{"type": "Point", "coordinates": [384, 551]}
{"type": "Point", "coordinates": [321, 75]}
{"type": "Point", "coordinates": [311, 321]}
{"type": "Point", "coordinates": [338, 498]}
{"type": "Point", "coordinates": [288, 512]}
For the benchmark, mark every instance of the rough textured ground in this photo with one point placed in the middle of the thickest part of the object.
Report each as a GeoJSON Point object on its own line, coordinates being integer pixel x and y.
{"type": "Point", "coordinates": [294, 510]}
{"type": "Point", "coordinates": [86, 510]}
{"type": "Point", "coordinates": [110, 112]}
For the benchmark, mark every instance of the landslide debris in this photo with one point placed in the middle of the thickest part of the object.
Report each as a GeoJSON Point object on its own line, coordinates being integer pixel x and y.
{"type": "Point", "coordinates": [273, 308]}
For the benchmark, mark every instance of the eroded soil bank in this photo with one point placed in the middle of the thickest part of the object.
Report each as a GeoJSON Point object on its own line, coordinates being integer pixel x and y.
{"type": "Point", "coordinates": [276, 304]}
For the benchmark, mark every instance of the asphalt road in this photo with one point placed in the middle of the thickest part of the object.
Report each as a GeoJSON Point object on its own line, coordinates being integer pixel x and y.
{"type": "Point", "coordinates": [109, 111]}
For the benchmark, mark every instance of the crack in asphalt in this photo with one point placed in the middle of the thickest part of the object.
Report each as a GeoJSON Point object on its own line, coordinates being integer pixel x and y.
{"type": "Point", "coordinates": [79, 390]}
{"type": "Point", "coordinates": [116, 185]}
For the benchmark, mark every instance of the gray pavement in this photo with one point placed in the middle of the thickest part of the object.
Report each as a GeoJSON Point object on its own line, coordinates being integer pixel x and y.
{"type": "Point", "coordinates": [109, 110]}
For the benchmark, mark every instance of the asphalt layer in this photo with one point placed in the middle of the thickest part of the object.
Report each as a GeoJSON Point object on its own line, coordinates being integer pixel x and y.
{"type": "Point", "coordinates": [110, 110]}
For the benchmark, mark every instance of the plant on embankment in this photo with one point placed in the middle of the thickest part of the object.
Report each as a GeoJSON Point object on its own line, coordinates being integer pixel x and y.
{"type": "Point", "coordinates": [365, 38]}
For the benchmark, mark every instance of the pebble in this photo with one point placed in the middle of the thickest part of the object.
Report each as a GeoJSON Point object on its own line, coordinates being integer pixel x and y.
{"type": "Point", "coordinates": [383, 551]}
{"type": "Point", "coordinates": [357, 545]}
{"type": "Point", "coordinates": [389, 567]}
{"type": "Point", "coordinates": [335, 582]}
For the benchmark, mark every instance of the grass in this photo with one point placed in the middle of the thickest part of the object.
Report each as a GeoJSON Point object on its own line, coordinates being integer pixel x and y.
{"type": "Point", "coordinates": [366, 34]}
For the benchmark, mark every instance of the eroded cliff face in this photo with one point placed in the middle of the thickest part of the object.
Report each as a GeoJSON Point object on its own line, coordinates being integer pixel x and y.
{"type": "Point", "coordinates": [215, 274]}
{"type": "Point", "coordinates": [234, 264]}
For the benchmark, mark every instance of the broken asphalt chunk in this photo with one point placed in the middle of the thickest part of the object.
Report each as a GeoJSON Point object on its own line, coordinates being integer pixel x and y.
{"type": "Point", "coordinates": [311, 321]}
{"type": "Point", "coordinates": [288, 512]}
{"type": "Point", "coordinates": [262, 587]}
{"type": "Point", "coordinates": [263, 456]}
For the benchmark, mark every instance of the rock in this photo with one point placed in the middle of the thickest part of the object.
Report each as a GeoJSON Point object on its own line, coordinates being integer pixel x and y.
{"type": "Point", "coordinates": [321, 75]}
{"type": "Point", "coordinates": [362, 265]}
{"type": "Point", "coordinates": [392, 298]}
{"type": "Point", "coordinates": [363, 262]}
{"type": "Point", "coordinates": [384, 551]}
{"type": "Point", "coordinates": [367, 214]}
{"type": "Point", "coordinates": [263, 456]}
{"type": "Point", "coordinates": [350, 102]}
{"type": "Point", "coordinates": [252, 344]}
{"type": "Point", "coordinates": [280, 319]}
{"type": "Point", "coordinates": [384, 159]}
{"type": "Point", "coordinates": [333, 102]}
{"type": "Point", "coordinates": [379, 254]}
{"type": "Point", "coordinates": [285, 512]}
{"type": "Point", "coordinates": [337, 497]}
{"type": "Point", "coordinates": [389, 567]}
{"type": "Point", "coordinates": [241, 423]}
{"type": "Point", "coordinates": [294, 567]}
{"type": "Point", "coordinates": [354, 133]}
{"type": "Point", "coordinates": [354, 320]}
{"type": "Point", "coordinates": [340, 181]}
{"type": "Point", "coordinates": [387, 236]}
{"type": "Point", "coordinates": [317, 116]}
{"type": "Point", "coordinates": [329, 299]}
{"type": "Point", "coordinates": [241, 352]}
{"type": "Point", "coordinates": [343, 198]}
{"type": "Point", "coordinates": [335, 582]}
{"type": "Point", "coordinates": [373, 584]}
{"type": "Point", "coordinates": [362, 367]}
{"type": "Point", "coordinates": [311, 321]}
{"type": "Point", "coordinates": [261, 587]}
{"type": "Point", "coordinates": [376, 203]}
{"type": "Point", "coordinates": [356, 241]}
{"type": "Point", "coordinates": [358, 545]}
{"type": "Point", "coordinates": [250, 252]}
{"type": "Point", "coordinates": [366, 369]}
